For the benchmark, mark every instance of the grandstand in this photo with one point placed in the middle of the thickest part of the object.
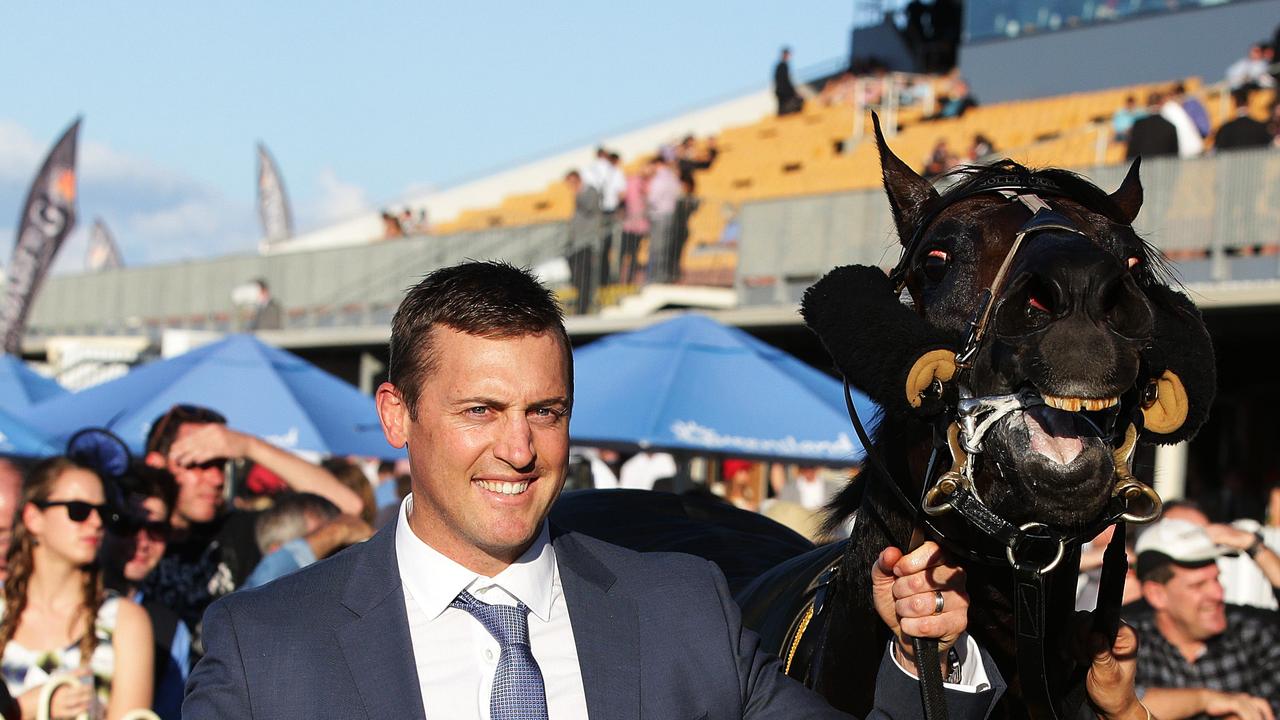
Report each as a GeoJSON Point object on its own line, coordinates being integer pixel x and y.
{"type": "Point", "coordinates": [786, 199]}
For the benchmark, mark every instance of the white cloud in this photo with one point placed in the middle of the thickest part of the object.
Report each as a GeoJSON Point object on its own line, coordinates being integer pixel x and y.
{"type": "Point", "coordinates": [337, 200]}
{"type": "Point", "coordinates": [156, 214]}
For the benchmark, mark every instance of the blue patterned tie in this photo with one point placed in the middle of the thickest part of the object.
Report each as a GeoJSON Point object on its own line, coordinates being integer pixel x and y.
{"type": "Point", "coordinates": [518, 692]}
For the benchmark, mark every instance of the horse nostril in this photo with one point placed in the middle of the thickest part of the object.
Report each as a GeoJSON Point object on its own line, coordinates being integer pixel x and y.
{"type": "Point", "coordinates": [1123, 307]}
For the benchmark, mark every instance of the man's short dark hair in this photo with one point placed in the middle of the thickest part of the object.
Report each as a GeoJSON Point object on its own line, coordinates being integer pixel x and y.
{"type": "Point", "coordinates": [492, 300]}
{"type": "Point", "coordinates": [1155, 566]}
{"type": "Point", "coordinates": [164, 430]}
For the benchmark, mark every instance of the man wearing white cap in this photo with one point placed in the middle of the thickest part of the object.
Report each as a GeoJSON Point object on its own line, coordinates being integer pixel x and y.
{"type": "Point", "coordinates": [1200, 657]}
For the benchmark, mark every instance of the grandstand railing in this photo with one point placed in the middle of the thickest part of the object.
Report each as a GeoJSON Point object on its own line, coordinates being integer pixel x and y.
{"type": "Point", "coordinates": [1215, 217]}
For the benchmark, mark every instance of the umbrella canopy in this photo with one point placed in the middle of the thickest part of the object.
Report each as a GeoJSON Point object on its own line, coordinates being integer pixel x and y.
{"type": "Point", "coordinates": [17, 438]}
{"type": "Point", "coordinates": [21, 387]}
{"type": "Point", "coordinates": [260, 389]}
{"type": "Point", "coordinates": [694, 384]}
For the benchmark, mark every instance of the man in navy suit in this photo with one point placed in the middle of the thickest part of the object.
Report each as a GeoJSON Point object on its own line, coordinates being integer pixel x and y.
{"type": "Point", "coordinates": [470, 602]}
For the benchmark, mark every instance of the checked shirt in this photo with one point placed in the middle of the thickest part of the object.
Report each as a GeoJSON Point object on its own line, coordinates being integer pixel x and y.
{"type": "Point", "coordinates": [1245, 658]}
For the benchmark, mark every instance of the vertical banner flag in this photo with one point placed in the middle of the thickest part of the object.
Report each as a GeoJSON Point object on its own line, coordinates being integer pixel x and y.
{"type": "Point", "coordinates": [103, 253]}
{"type": "Point", "coordinates": [47, 217]}
{"type": "Point", "coordinates": [273, 204]}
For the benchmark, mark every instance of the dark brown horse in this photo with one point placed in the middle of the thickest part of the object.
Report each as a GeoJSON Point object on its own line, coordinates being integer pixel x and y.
{"type": "Point", "coordinates": [1041, 342]}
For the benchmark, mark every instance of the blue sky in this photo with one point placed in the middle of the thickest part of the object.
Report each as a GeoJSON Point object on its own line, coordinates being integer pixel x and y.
{"type": "Point", "coordinates": [361, 103]}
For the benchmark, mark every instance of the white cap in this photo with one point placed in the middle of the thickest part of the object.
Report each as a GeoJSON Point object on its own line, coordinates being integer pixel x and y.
{"type": "Point", "coordinates": [1181, 541]}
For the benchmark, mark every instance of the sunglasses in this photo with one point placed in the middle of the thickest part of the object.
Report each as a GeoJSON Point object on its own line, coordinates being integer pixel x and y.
{"type": "Point", "coordinates": [78, 510]}
{"type": "Point", "coordinates": [156, 530]}
{"type": "Point", "coordinates": [181, 413]}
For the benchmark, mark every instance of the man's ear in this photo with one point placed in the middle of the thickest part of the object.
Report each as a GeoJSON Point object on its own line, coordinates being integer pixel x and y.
{"type": "Point", "coordinates": [393, 413]}
{"type": "Point", "coordinates": [1155, 594]}
{"type": "Point", "coordinates": [156, 460]}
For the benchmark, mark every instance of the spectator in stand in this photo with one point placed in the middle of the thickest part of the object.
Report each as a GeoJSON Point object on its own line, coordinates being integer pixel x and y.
{"type": "Point", "coordinates": [687, 160]}
{"type": "Point", "coordinates": [1200, 656]}
{"type": "Point", "coordinates": [789, 100]}
{"type": "Point", "coordinates": [615, 186]}
{"type": "Point", "coordinates": [129, 553]}
{"type": "Point", "coordinates": [1190, 142]}
{"type": "Point", "coordinates": [635, 225]}
{"type": "Point", "coordinates": [1195, 109]}
{"type": "Point", "coordinates": [1125, 117]}
{"type": "Point", "coordinates": [686, 206]}
{"type": "Point", "coordinates": [211, 550]}
{"type": "Point", "coordinates": [298, 530]}
{"type": "Point", "coordinates": [585, 230]}
{"type": "Point", "coordinates": [1242, 131]}
{"type": "Point", "coordinates": [839, 90]}
{"type": "Point", "coordinates": [958, 100]}
{"type": "Point", "coordinates": [350, 475]}
{"type": "Point", "coordinates": [56, 617]}
{"type": "Point", "coordinates": [1251, 72]}
{"type": "Point", "coordinates": [1251, 574]}
{"type": "Point", "coordinates": [1152, 135]}
{"type": "Point", "coordinates": [982, 148]}
{"type": "Point", "coordinates": [663, 195]}
{"type": "Point", "coordinates": [267, 314]}
{"type": "Point", "coordinates": [940, 160]}
{"type": "Point", "coordinates": [391, 226]}
{"type": "Point", "coordinates": [10, 491]}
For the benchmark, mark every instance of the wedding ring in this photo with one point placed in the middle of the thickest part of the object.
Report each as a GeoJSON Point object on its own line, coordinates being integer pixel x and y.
{"type": "Point", "coordinates": [938, 602]}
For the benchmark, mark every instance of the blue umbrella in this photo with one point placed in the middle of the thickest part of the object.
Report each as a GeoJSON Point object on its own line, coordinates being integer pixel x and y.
{"type": "Point", "coordinates": [21, 387]}
{"type": "Point", "coordinates": [17, 438]}
{"type": "Point", "coordinates": [694, 384]}
{"type": "Point", "coordinates": [260, 389]}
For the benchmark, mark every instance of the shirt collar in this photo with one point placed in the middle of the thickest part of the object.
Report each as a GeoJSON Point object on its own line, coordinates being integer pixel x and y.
{"type": "Point", "coordinates": [434, 579]}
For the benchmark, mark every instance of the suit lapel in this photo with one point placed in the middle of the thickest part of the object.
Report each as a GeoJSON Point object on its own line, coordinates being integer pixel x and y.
{"type": "Point", "coordinates": [605, 631]}
{"type": "Point", "coordinates": [376, 643]}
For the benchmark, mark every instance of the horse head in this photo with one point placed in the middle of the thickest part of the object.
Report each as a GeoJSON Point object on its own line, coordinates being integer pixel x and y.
{"type": "Point", "coordinates": [1030, 331]}
{"type": "Point", "coordinates": [1066, 309]}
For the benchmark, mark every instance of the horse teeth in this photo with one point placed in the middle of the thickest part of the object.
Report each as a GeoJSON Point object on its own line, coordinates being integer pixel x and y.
{"type": "Point", "coordinates": [1075, 404]}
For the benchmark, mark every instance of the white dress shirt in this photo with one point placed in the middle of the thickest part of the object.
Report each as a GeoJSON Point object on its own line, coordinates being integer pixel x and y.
{"type": "Point", "coordinates": [455, 655]}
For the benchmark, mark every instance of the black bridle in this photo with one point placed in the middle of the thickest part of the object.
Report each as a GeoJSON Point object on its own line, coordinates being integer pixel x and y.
{"type": "Point", "coordinates": [1032, 550]}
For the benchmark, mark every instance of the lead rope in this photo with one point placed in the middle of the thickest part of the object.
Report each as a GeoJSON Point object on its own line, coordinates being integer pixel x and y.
{"type": "Point", "coordinates": [928, 669]}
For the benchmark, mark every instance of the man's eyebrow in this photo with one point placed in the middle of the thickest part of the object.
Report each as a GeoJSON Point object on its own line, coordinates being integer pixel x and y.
{"type": "Point", "coordinates": [495, 403]}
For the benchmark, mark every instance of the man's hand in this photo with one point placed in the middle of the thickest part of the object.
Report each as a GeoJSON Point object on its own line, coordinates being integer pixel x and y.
{"type": "Point", "coordinates": [906, 587]}
{"type": "Point", "coordinates": [1112, 669]}
{"type": "Point", "coordinates": [1236, 705]}
{"type": "Point", "coordinates": [212, 441]}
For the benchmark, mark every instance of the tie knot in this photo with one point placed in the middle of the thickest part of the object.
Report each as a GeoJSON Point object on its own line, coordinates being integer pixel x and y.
{"type": "Point", "coordinates": [508, 624]}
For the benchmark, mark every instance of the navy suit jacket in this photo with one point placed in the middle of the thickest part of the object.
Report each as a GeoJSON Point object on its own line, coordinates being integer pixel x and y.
{"type": "Point", "coordinates": [658, 636]}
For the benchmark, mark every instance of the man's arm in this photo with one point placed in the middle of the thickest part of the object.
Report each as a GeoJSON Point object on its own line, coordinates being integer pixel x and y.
{"type": "Point", "coordinates": [215, 441]}
{"type": "Point", "coordinates": [218, 687]}
{"type": "Point", "coordinates": [1182, 703]}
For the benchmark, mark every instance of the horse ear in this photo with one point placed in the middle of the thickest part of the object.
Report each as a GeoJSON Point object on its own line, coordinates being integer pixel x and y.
{"type": "Point", "coordinates": [1129, 196]}
{"type": "Point", "coordinates": [907, 191]}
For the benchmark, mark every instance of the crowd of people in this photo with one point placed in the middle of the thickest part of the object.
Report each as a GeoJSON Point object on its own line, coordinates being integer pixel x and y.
{"type": "Point", "coordinates": [620, 218]}
{"type": "Point", "coordinates": [187, 580]}
{"type": "Point", "coordinates": [109, 564]}
{"type": "Point", "coordinates": [1176, 122]}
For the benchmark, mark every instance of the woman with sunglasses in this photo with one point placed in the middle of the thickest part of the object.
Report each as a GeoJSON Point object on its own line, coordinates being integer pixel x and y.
{"type": "Point", "coordinates": [55, 617]}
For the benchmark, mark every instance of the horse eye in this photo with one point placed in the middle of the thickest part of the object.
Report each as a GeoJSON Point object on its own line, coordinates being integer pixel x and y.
{"type": "Point", "coordinates": [1132, 262]}
{"type": "Point", "coordinates": [935, 265]}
